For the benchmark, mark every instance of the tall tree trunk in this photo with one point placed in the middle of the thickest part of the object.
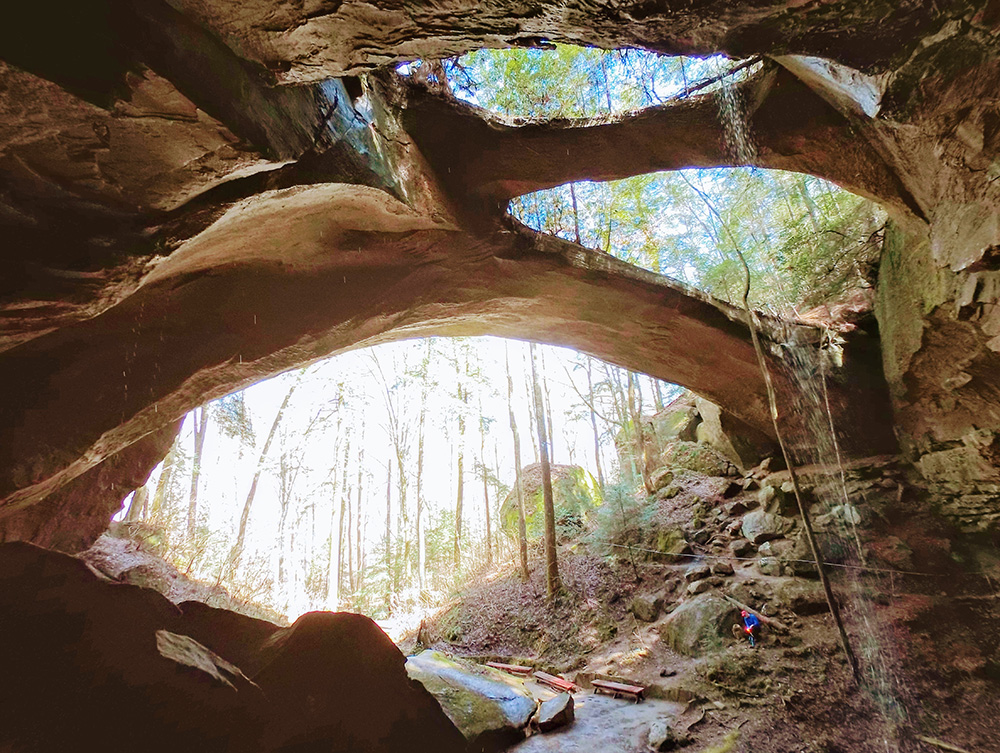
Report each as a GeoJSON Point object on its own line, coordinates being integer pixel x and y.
{"type": "Point", "coordinates": [421, 545]}
{"type": "Point", "coordinates": [548, 409]}
{"type": "Point", "coordinates": [356, 580]}
{"type": "Point", "coordinates": [486, 488]}
{"type": "Point", "coordinates": [200, 429]}
{"type": "Point", "coordinates": [336, 562]}
{"type": "Point", "coordinates": [388, 540]}
{"type": "Point", "coordinates": [593, 426]}
{"type": "Point", "coordinates": [345, 505]}
{"type": "Point", "coordinates": [237, 551]}
{"type": "Point", "coordinates": [522, 538]}
{"type": "Point", "coordinates": [640, 444]}
{"type": "Point", "coordinates": [462, 397]}
{"type": "Point", "coordinates": [657, 394]}
{"type": "Point", "coordinates": [137, 506]}
{"type": "Point", "coordinates": [163, 483]}
{"type": "Point", "coordinates": [576, 214]}
{"type": "Point", "coordinates": [552, 584]}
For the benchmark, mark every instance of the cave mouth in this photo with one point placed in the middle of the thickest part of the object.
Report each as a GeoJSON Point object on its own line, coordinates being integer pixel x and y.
{"type": "Point", "coordinates": [329, 449]}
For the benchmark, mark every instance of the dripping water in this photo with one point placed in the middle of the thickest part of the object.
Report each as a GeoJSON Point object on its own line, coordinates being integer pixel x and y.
{"type": "Point", "coordinates": [815, 443]}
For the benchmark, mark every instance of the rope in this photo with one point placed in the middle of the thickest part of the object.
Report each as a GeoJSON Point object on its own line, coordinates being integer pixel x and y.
{"type": "Point", "coordinates": [733, 558]}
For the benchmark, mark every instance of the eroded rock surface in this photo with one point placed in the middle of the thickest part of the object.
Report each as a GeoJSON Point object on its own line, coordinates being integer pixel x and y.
{"type": "Point", "coordinates": [79, 652]}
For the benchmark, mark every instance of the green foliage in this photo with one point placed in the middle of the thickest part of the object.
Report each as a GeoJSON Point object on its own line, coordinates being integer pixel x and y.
{"type": "Point", "coordinates": [806, 241]}
{"type": "Point", "coordinates": [622, 520]}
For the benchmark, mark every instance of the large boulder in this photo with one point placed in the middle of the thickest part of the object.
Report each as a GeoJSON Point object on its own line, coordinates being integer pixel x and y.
{"type": "Point", "coordinates": [489, 709]}
{"type": "Point", "coordinates": [678, 420]}
{"type": "Point", "coordinates": [575, 494]}
{"type": "Point", "coordinates": [759, 526]}
{"type": "Point", "coordinates": [699, 625]}
{"type": "Point", "coordinates": [698, 457]}
{"type": "Point", "coordinates": [555, 713]}
{"type": "Point", "coordinates": [76, 645]}
{"type": "Point", "coordinates": [736, 440]}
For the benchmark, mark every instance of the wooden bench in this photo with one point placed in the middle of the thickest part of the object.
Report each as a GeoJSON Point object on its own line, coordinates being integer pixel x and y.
{"type": "Point", "coordinates": [618, 688]}
{"type": "Point", "coordinates": [556, 682]}
{"type": "Point", "coordinates": [514, 669]}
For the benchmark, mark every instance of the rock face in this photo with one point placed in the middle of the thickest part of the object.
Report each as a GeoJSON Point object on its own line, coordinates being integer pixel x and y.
{"type": "Point", "coordinates": [76, 645]}
{"type": "Point", "coordinates": [150, 157]}
{"type": "Point", "coordinates": [490, 711]}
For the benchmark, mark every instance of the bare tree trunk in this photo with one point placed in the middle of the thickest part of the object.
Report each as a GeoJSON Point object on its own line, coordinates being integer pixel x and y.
{"type": "Point", "coordinates": [137, 507]}
{"type": "Point", "coordinates": [163, 483]}
{"type": "Point", "coordinates": [593, 425]}
{"type": "Point", "coordinates": [552, 585]}
{"type": "Point", "coordinates": [338, 589]}
{"type": "Point", "coordinates": [200, 429]}
{"type": "Point", "coordinates": [640, 444]}
{"type": "Point", "coordinates": [421, 545]}
{"type": "Point", "coordinates": [657, 394]}
{"type": "Point", "coordinates": [522, 538]}
{"type": "Point", "coordinates": [462, 397]}
{"type": "Point", "coordinates": [388, 540]}
{"type": "Point", "coordinates": [548, 411]}
{"type": "Point", "coordinates": [576, 214]}
{"type": "Point", "coordinates": [486, 489]}
{"type": "Point", "coordinates": [237, 551]}
{"type": "Point", "coordinates": [356, 580]}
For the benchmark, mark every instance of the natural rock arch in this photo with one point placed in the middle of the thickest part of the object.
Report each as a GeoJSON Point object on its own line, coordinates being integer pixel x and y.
{"type": "Point", "coordinates": [142, 152]}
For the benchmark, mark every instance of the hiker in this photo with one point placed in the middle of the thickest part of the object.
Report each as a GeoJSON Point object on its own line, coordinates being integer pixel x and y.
{"type": "Point", "coordinates": [751, 626]}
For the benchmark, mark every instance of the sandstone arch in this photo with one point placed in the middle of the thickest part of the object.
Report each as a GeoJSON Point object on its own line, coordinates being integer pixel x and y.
{"type": "Point", "coordinates": [142, 152]}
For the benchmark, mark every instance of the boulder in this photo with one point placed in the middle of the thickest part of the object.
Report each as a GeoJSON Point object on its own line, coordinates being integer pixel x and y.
{"type": "Point", "coordinates": [759, 526]}
{"type": "Point", "coordinates": [662, 736]}
{"type": "Point", "coordinates": [673, 542]}
{"type": "Point", "coordinates": [721, 567]}
{"type": "Point", "coordinates": [645, 608]}
{"type": "Point", "coordinates": [678, 420]}
{"type": "Point", "coordinates": [699, 625]}
{"type": "Point", "coordinates": [741, 548]}
{"type": "Point", "coordinates": [769, 566]}
{"type": "Point", "coordinates": [733, 438]}
{"type": "Point", "coordinates": [698, 457]}
{"type": "Point", "coordinates": [661, 478]}
{"type": "Point", "coordinates": [697, 572]}
{"type": "Point", "coordinates": [78, 647]}
{"type": "Point", "coordinates": [575, 494]}
{"type": "Point", "coordinates": [802, 597]}
{"type": "Point", "coordinates": [490, 709]}
{"type": "Point", "coordinates": [555, 713]}
{"type": "Point", "coordinates": [699, 587]}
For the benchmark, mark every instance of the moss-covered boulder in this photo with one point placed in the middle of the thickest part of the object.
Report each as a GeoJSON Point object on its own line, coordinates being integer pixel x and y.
{"type": "Point", "coordinates": [679, 420]}
{"type": "Point", "coordinates": [575, 495]}
{"type": "Point", "coordinates": [698, 457]}
{"type": "Point", "coordinates": [489, 708]}
{"type": "Point", "coordinates": [700, 625]}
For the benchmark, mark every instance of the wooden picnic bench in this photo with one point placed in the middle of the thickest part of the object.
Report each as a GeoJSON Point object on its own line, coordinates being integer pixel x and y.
{"type": "Point", "coordinates": [618, 688]}
{"type": "Point", "coordinates": [556, 682]}
{"type": "Point", "coordinates": [514, 669]}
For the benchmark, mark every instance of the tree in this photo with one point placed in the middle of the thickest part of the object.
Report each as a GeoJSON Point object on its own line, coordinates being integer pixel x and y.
{"type": "Point", "coordinates": [552, 584]}
{"type": "Point", "coordinates": [522, 538]}
{"type": "Point", "coordinates": [462, 398]}
{"type": "Point", "coordinates": [200, 418]}
{"type": "Point", "coordinates": [237, 551]}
